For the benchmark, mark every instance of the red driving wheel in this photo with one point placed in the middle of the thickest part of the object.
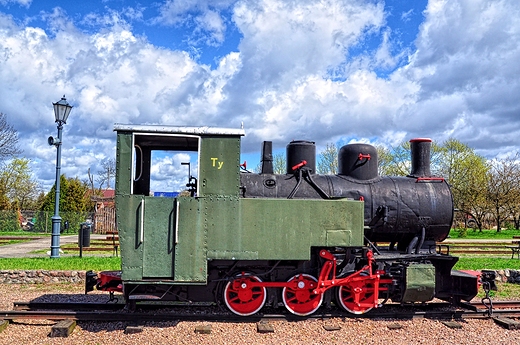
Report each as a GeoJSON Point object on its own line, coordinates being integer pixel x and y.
{"type": "Point", "coordinates": [301, 300]}
{"type": "Point", "coordinates": [352, 296]}
{"type": "Point", "coordinates": [242, 298]}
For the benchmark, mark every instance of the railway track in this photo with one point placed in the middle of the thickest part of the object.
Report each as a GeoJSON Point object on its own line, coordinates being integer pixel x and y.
{"type": "Point", "coordinates": [103, 312]}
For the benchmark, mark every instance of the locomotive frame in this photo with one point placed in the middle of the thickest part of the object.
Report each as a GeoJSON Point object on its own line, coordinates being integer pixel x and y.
{"type": "Point", "coordinates": [299, 239]}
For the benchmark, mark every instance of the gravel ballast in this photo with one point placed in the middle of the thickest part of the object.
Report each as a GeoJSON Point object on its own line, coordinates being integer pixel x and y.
{"type": "Point", "coordinates": [348, 331]}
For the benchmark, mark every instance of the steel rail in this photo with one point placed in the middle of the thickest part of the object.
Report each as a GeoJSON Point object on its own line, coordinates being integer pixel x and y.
{"type": "Point", "coordinates": [21, 305]}
{"type": "Point", "coordinates": [135, 316]}
{"type": "Point", "coordinates": [162, 317]}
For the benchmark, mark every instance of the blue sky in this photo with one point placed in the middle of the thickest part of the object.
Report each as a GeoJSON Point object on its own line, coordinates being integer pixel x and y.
{"type": "Point", "coordinates": [327, 71]}
{"type": "Point", "coordinates": [176, 25]}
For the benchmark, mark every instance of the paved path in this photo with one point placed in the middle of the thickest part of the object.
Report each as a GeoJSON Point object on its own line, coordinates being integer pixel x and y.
{"type": "Point", "coordinates": [25, 249]}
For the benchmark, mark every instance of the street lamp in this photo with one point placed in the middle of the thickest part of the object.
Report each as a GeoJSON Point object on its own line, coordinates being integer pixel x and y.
{"type": "Point", "coordinates": [61, 112]}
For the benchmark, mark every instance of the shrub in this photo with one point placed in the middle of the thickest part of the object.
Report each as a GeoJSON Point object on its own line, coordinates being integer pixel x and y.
{"type": "Point", "coordinates": [43, 221]}
{"type": "Point", "coordinates": [9, 221]}
{"type": "Point", "coordinates": [462, 232]}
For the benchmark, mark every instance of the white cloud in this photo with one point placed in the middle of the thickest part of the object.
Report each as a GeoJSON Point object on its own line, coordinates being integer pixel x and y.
{"type": "Point", "coordinates": [24, 3]}
{"type": "Point", "coordinates": [405, 16]}
{"type": "Point", "coordinates": [292, 77]}
{"type": "Point", "coordinates": [202, 16]}
{"type": "Point", "coordinates": [467, 66]}
{"type": "Point", "coordinates": [168, 174]}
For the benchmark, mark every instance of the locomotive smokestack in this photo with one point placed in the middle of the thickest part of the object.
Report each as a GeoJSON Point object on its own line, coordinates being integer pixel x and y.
{"type": "Point", "coordinates": [267, 157]}
{"type": "Point", "coordinates": [420, 150]}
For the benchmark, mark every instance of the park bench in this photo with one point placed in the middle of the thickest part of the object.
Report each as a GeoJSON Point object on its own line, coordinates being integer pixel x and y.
{"type": "Point", "coordinates": [515, 248]}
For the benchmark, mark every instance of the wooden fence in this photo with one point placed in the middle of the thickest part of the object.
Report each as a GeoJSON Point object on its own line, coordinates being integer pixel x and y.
{"type": "Point", "coordinates": [105, 220]}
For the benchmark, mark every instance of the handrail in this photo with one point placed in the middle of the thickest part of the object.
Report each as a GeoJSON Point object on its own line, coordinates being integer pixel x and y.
{"type": "Point", "coordinates": [177, 207]}
{"type": "Point", "coordinates": [141, 222]}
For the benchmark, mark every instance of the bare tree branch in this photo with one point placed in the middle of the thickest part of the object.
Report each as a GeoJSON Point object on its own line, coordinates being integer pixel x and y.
{"type": "Point", "coordinates": [8, 139]}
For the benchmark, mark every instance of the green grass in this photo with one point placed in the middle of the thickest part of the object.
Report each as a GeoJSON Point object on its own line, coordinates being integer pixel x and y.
{"type": "Point", "coordinates": [490, 263]}
{"type": "Point", "coordinates": [7, 242]}
{"type": "Point", "coordinates": [63, 263]}
{"type": "Point", "coordinates": [73, 249]}
{"type": "Point", "coordinates": [23, 233]}
{"type": "Point", "coordinates": [484, 234]}
{"type": "Point", "coordinates": [108, 263]}
{"type": "Point", "coordinates": [504, 291]}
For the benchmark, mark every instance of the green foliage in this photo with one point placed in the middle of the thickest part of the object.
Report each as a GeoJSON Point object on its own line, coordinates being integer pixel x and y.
{"type": "Point", "coordinates": [43, 220]}
{"type": "Point", "coordinates": [328, 160]}
{"type": "Point", "coordinates": [18, 184]}
{"type": "Point", "coordinates": [9, 221]}
{"type": "Point", "coordinates": [462, 232]}
{"type": "Point", "coordinates": [394, 161]}
{"type": "Point", "coordinates": [279, 163]}
{"type": "Point", "coordinates": [4, 200]}
{"type": "Point", "coordinates": [75, 205]}
{"type": "Point", "coordinates": [465, 171]}
{"type": "Point", "coordinates": [509, 226]}
{"type": "Point", "coordinates": [95, 263]}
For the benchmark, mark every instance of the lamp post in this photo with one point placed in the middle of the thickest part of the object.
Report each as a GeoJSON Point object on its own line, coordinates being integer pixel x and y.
{"type": "Point", "coordinates": [61, 112]}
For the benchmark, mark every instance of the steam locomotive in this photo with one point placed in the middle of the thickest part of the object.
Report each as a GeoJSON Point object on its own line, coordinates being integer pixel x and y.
{"type": "Point", "coordinates": [301, 240]}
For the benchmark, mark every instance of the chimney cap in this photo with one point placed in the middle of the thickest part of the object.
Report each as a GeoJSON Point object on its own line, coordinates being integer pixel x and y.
{"type": "Point", "coordinates": [421, 140]}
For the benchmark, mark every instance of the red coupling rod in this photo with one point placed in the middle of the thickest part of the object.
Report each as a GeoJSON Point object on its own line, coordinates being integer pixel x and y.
{"type": "Point", "coordinates": [299, 165]}
{"type": "Point", "coordinates": [361, 156]}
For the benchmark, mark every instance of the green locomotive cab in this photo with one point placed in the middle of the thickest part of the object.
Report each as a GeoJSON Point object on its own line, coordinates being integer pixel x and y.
{"type": "Point", "coordinates": [167, 240]}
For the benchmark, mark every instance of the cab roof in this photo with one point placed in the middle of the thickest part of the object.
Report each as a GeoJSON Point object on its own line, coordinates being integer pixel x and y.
{"type": "Point", "coordinates": [204, 130]}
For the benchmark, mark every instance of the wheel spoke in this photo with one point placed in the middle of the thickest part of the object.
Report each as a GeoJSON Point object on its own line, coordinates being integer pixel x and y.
{"type": "Point", "coordinates": [234, 299]}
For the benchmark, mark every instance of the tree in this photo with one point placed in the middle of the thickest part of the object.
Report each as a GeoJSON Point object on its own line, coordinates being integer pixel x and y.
{"type": "Point", "coordinates": [513, 206]}
{"type": "Point", "coordinates": [107, 173]}
{"type": "Point", "coordinates": [4, 200]}
{"type": "Point", "coordinates": [8, 139]}
{"type": "Point", "coordinates": [328, 160]}
{"type": "Point", "coordinates": [73, 196]}
{"type": "Point", "coordinates": [74, 201]}
{"type": "Point", "coordinates": [466, 173]}
{"type": "Point", "coordinates": [395, 161]}
{"type": "Point", "coordinates": [502, 188]}
{"type": "Point", "coordinates": [279, 163]}
{"type": "Point", "coordinates": [18, 184]}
